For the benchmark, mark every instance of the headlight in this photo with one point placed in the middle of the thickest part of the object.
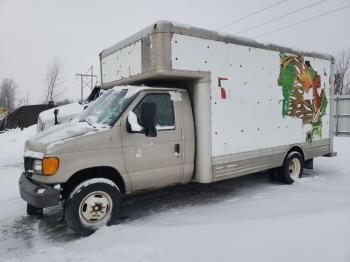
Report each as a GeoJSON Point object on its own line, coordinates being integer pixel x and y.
{"type": "Point", "coordinates": [37, 166]}
{"type": "Point", "coordinates": [50, 166]}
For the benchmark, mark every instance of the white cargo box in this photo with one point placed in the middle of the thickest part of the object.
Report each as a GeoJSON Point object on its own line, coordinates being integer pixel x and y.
{"type": "Point", "coordinates": [252, 102]}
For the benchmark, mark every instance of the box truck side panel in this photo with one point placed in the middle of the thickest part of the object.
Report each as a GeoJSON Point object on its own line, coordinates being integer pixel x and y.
{"type": "Point", "coordinates": [252, 103]}
{"type": "Point", "coordinates": [260, 99]}
{"type": "Point", "coordinates": [123, 63]}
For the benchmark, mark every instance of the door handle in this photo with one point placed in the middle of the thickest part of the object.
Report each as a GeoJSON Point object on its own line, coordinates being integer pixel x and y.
{"type": "Point", "coordinates": [177, 148]}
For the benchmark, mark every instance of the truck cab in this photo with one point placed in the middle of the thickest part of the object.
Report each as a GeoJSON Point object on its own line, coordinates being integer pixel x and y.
{"type": "Point", "coordinates": [139, 138]}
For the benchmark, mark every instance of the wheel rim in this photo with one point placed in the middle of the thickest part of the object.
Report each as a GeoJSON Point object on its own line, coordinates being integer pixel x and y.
{"type": "Point", "coordinates": [294, 168]}
{"type": "Point", "coordinates": [95, 209]}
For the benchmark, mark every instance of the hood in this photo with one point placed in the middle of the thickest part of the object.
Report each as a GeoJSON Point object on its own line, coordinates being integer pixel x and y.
{"type": "Point", "coordinates": [58, 135]}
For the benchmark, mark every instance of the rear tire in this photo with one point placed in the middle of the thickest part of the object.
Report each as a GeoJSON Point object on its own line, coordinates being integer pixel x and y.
{"type": "Point", "coordinates": [275, 174]}
{"type": "Point", "coordinates": [92, 204]}
{"type": "Point", "coordinates": [292, 168]}
{"type": "Point", "coordinates": [34, 211]}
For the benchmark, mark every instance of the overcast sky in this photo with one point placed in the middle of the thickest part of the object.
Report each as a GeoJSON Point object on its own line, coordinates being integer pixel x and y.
{"type": "Point", "coordinates": [34, 32]}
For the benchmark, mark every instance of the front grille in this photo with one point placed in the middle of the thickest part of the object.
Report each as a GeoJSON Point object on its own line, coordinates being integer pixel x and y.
{"type": "Point", "coordinates": [28, 164]}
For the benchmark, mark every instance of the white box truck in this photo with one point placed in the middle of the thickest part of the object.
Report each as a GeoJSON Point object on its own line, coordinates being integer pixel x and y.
{"type": "Point", "coordinates": [184, 105]}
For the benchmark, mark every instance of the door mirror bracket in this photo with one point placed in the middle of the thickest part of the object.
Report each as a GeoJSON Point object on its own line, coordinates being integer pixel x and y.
{"type": "Point", "coordinates": [148, 117]}
{"type": "Point", "coordinates": [132, 124]}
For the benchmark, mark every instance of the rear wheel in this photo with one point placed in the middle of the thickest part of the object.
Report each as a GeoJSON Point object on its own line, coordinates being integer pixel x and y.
{"type": "Point", "coordinates": [292, 168]}
{"type": "Point", "coordinates": [275, 174]}
{"type": "Point", "coordinates": [92, 204]}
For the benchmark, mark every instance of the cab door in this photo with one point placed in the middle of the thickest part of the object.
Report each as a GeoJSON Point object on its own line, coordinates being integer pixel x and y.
{"type": "Point", "coordinates": [154, 162]}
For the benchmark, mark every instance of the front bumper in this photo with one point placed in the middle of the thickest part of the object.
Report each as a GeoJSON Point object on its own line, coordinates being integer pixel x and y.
{"type": "Point", "coordinates": [37, 194]}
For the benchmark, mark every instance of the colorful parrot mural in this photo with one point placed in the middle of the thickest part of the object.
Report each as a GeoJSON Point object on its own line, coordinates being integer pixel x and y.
{"type": "Point", "coordinates": [297, 79]}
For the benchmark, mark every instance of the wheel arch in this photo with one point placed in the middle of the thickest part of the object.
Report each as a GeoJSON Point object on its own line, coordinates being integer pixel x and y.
{"type": "Point", "coordinates": [296, 148]}
{"type": "Point", "coordinates": [94, 172]}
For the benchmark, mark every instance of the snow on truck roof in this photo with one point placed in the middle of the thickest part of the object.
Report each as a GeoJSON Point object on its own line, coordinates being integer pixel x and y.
{"type": "Point", "coordinates": [173, 27]}
{"type": "Point", "coordinates": [136, 89]}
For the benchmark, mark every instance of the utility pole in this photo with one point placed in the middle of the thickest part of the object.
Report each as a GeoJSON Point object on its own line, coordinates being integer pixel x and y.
{"type": "Point", "coordinates": [84, 81]}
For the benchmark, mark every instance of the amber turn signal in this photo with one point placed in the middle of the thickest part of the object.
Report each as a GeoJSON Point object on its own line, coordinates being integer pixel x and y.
{"type": "Point", "coordinates": [50, 166]}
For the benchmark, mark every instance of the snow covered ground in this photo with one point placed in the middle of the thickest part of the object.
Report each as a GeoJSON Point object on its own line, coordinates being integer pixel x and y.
{"type": "Point", "coordinates": [244, 219]}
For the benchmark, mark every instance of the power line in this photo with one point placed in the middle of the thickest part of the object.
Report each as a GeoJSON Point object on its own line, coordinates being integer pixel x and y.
{"type": "Point", "coordinates": [303, 21]}
{"type": "Point", "coordinates": [281, 17]}
{"type": "Point", "coordinates": [251, 14]}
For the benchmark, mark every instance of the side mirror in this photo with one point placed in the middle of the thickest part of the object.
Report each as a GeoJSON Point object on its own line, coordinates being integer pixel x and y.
{"type": "Point", "coordinates": [133, 125]}
{"type": "Point", "coordinates": [148, 117]}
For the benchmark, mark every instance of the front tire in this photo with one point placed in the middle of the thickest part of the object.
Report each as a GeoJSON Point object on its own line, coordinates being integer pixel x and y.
{"type": "Point", "coordinates": [292, 168]}
{"type": "Point", "coordinates": [34, 211]}
{"type": "Point", "coordinates": [92, 204]}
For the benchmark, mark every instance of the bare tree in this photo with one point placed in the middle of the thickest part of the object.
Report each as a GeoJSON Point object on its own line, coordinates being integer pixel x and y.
{"type": "Point", "coordinates": [24, 100]}
{"type": "Point", "coordinates": [342, 72]}
{"type": "Point", "coordinates": [53, 73]}
{"type": "Point", "coordinates": [8, 93]}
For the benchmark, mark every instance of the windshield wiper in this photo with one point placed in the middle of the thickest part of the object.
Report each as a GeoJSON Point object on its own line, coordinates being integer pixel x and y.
{"type": "Point", "coordinates": [85, 120]}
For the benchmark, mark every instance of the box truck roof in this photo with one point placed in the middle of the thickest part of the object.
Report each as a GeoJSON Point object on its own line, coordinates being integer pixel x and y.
{"type": "Point", "coordinates": [172, 27]}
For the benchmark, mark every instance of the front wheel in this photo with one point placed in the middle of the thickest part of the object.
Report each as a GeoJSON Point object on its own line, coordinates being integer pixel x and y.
{"type": "Point", "coordinates": [34, 211]}
{"type": "Point", "coordinates": [292, 168]}
{"type": "Point", "coordinates": [92, 204]}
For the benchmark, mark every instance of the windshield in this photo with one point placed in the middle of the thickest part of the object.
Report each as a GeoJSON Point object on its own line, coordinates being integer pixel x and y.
{"type": "Point", "coordinates": [107, 109]}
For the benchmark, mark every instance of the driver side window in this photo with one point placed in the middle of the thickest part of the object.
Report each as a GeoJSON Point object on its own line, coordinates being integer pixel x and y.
{"type": "Point", "coordinates": [165, 119]}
